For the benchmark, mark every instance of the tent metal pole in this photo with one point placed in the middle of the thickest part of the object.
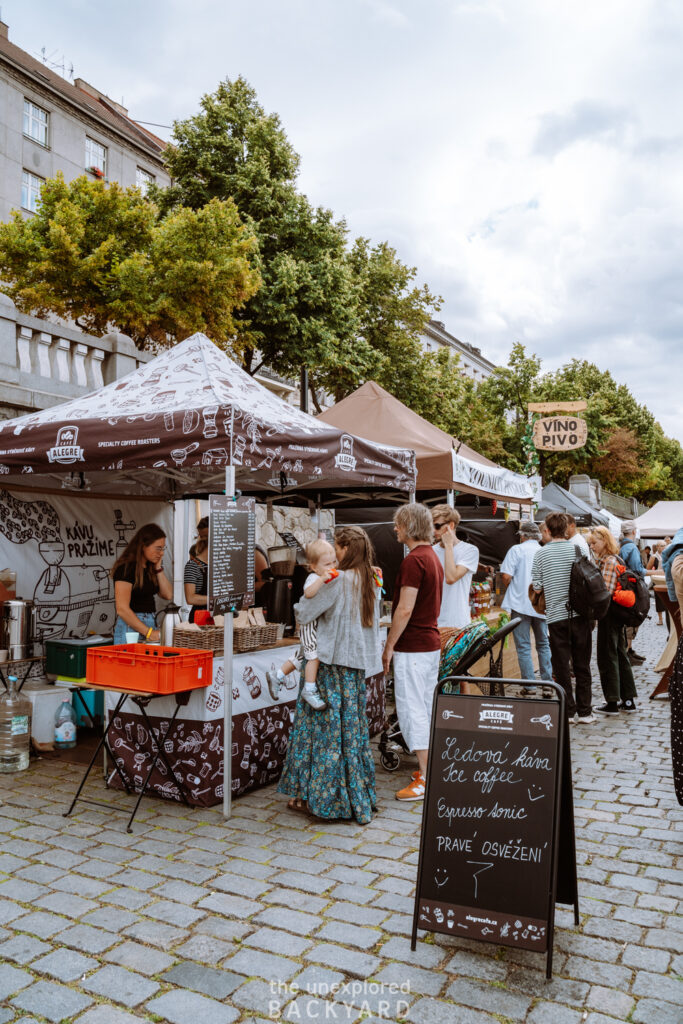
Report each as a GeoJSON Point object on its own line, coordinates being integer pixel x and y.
{"type": "Point", "coordinates": [450, 498]}
{"type": "Point", "coordinates": [227, 679]}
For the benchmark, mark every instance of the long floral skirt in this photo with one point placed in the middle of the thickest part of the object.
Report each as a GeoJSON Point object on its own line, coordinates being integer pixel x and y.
{"type": "Point", "coordinates": [329, 762]}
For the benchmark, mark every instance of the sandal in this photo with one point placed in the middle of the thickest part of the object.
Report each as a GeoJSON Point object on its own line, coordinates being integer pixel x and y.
{"type": "Point", "coordinates": [298, 805]}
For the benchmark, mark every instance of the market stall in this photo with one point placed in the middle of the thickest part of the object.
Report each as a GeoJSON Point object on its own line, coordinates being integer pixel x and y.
{"type": "Point", "coordinates": [170, 430]}
{"type": "Point", "coordinates": [662, 520]}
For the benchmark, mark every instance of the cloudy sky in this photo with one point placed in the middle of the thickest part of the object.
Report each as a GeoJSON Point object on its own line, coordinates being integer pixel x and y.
{"type": "Point", "coordinates": [525, 155]}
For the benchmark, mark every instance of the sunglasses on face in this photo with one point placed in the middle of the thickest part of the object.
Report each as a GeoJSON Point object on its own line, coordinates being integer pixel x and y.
{"type": "Point", "coordinates": [439, 526]}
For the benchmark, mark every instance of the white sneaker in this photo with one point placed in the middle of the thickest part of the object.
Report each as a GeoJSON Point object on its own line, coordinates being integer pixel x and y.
{"type": "Point", "coordinates": [585, 719]}
{"type": "Point", "coordinates": [313, 699]}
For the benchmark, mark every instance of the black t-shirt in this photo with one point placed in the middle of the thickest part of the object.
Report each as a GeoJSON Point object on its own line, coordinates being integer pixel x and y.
{"type": "Point", "coordinates": [141, 598]}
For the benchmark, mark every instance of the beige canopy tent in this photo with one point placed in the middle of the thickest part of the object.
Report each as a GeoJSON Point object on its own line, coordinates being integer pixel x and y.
{"type": "Point", "coordinates": [443, 463]}
{"type": "Point", "coordinates": [662, 520]}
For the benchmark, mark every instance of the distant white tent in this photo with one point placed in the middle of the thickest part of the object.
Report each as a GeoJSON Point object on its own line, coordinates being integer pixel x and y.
{"type": "Point", "coordinates": [662, 520]}
{"type": "Point", "coordinates": [613, 522]}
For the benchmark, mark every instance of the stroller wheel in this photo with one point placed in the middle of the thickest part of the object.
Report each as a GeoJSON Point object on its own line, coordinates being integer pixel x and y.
{"type": "Point", "coordinates": [390, 760]}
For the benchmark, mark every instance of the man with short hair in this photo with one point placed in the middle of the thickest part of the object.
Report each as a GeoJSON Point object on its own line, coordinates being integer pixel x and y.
{"type": "Point", "coordinates": [414, 641]}
{"type": "Point", "coordinates": [570, 635]}
{"type": "Point", "coordinates": [516, 570]}
{"type": "Point", "coordinates": [629, 553]}
{"type": "Point", "coordinates": [459, 561]}
{"type": "Point", "coordinates": [577, 539]}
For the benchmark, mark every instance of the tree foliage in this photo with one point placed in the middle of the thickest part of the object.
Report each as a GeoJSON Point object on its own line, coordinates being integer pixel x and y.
{"type": "Point", "coordinates": [101, 256]}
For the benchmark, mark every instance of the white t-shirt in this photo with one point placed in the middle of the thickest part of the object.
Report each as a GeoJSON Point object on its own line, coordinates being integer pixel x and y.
{"type": "Point", "coordinates": [518, 563]}
{"type": "Point", "coordinates": [455, 600]}
{"type": "Point", "coordinates": [580, 542]}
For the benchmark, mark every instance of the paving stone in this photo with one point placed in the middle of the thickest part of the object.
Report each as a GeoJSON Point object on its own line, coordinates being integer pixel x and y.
{"type": "Point", "coordinates": [42, 873]}
{"type": "Point", "coordinates": [552, 1013]}
{"type": "Point", "coordinates": [652, 1011]}
{"type": "Point", "coordinates": [663, 938]}
{"type": "Point", "coordinates": [87, 938]}
{"type": "Point", "coordinates": [432, 1011]}
{"type": "Point", "coordinates": [297, 900]}
{"type": "Point", "coordinates": [618, 1004]}
{"type": "Point", "coordinates": [41, 924]}
{"type": "Point", "coordinates": [668, 990]}
{"type": "Point", "coordinates": [25, 892]}
{"type": "Point", "coordinates": [105, 1014]}
{"type": "Point", "coordinates": [424, 954]}
{"type": "Point", "coordinates": [292, 920]}
{"type": "Point", "coordinates": [656, 960]}
{"type": "Point", "coordinates": [261, 996]}
{"type": "Point", "coordinates": [221, 928]}
{"type": "Point", "coordinates": [21, 949]}
{"type": "Point", "coordinates": [128, 898]}
{"type": "Point", "coordinates": [63, 903]}
{"type": "Point", "coordinates": [275, 941]}
{"type": "Point", "coordinates": [206, 949]}
{"type": "Point", "coordinates": [253, 962]}
{"type": "Point", "coordinates": [473, 965]}
{"type": "Point", "coordinates": [420, 981]}
{"type": "Point", "coordinates": [230, 905]}
{"type": "Point", "coordinates": [241, 885]}
{"type": "Point", "coordinates": [153, 933]}
{"type": "Point", "coordinates": [357, 964]}
{"type": "Point", "coordinates": [120, 985]}
{"type": "Point", "coordinates": [180, 1007]}
{"type": "Point", "coordinates": [586, 970]}
{"type": "Point", "coordinates": [47, 999]}
{"type": "Point", "coordinates": [64, 964]}
{"type": "Point", "coordinates": [532, 982]}
{"type": "Point", "coordinates": [12, 980]}
{"type": "Point", "coordinates": [310, 1007]}
{"type": "Point", "coordinates": [139, 958]}
{"type": "Point", "coordinates": [353, 893]}
{"type": "Point", "coordinates": [79, 885]}
{"type": "Point", "coordinates": [487, 997]}
{"type": "Point", "coordinates": [9, 911]}
{"type": "Point", "coordinates": [354, 914]}
{"type": "Point", "coordinates": [181, 892]}
{"type": "Point", "coordinates": [317, 980]}
{"type": "Point", "coordinates": [207, 980]}
{"type": "Point", "coordinates": [350, 934]}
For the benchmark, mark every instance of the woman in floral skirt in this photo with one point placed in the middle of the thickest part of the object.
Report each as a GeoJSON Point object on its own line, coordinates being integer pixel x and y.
{"type": "Point", "coordinates": [329, 772]}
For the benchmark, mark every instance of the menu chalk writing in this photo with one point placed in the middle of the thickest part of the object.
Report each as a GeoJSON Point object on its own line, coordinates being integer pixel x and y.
{"type": "Point", "coordinates": [487, 859]}
{"type": "Point", "coordinates": [232, 538]}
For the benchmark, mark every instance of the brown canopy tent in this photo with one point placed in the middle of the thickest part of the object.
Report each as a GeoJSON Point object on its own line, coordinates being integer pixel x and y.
{"type": "Point", "coordinates": [443, 464]}
{"type": "Point", "coordinates": [171, 427]}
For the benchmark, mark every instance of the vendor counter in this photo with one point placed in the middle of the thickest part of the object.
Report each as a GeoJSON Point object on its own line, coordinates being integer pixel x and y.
{"type": "Point", "coordinates": [194, 743]}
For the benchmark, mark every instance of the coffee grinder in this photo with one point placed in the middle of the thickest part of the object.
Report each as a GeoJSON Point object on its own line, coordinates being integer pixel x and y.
{"type": "Point", "coordinates": [288, 572]}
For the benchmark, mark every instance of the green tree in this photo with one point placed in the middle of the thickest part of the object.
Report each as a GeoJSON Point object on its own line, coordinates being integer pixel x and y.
{"type": "Point", "coordinates": [347, 316]}
{"type": "Point", "coordinates": [101, 256]}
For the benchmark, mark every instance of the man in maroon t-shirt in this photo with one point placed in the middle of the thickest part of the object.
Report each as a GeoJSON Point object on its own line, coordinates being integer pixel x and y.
{"type": "Point", "coordinates": [414, 640]}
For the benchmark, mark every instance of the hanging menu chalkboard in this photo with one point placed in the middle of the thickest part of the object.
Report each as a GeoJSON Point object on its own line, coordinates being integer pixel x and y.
{"type": "Point", "coordinates": [232, 539]}
{"type": "Point", "coordinates": [488, 853]}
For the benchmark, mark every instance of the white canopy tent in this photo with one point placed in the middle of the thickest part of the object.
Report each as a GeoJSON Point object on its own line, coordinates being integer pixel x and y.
{"type": "Point", "coordinates": [662, 520]}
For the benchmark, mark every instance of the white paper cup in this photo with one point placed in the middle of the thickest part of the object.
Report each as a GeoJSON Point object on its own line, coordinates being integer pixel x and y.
{"type": "Point", "coordinates": [132, 638]}
{"type": "Point", "coordinates": [4, 655]}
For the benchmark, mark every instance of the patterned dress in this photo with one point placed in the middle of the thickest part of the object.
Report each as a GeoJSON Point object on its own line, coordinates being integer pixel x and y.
{"type": "Point", "coordinates": [329, 762]}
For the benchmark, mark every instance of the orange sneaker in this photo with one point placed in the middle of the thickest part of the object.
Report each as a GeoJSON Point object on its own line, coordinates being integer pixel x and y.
{"type": "Point", "coordinates": [415, 790]}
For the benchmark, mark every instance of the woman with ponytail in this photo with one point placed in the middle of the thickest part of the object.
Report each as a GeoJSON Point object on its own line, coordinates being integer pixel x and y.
{"type": "Point", "coordinates": [329, 772]}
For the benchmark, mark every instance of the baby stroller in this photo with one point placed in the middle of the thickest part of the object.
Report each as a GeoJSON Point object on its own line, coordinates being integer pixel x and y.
{"type": "Point", "coordinates": [460, 652]}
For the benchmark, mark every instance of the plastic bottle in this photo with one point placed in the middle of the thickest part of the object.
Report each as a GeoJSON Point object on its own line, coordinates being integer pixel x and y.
{"type": "Point", "coordinates": [65, 726]}
{"type": "Point", "coordinates": [15, 729]}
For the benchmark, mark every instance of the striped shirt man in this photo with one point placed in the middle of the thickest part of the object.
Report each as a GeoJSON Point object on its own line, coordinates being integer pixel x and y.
{"type": "Point", "coordinates": [551, 571]}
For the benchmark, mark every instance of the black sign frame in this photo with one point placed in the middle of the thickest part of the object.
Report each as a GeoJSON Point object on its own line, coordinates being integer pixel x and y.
{"type": "Point", "coordinates": [224, 510]}
{"type": "Point", "coordinates": [485, 922]}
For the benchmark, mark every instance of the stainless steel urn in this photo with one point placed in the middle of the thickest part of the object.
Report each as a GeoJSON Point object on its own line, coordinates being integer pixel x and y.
{"type": "Point", "coordinates": [16, 628]}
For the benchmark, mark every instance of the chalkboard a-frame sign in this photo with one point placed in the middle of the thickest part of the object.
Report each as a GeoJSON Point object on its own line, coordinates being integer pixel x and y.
{"type": "Point", "coordinates": [498, 808]}
{"type": "Point", "coordinates": [232, 539]}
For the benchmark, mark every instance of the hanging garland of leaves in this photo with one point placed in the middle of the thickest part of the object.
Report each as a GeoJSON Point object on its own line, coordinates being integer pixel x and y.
{"type": "Point", "coordinates": [529, 448]}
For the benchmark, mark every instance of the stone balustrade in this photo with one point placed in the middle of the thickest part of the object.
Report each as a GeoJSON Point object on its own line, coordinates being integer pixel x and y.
{"type": "Point", "coordinates": [43, 364]}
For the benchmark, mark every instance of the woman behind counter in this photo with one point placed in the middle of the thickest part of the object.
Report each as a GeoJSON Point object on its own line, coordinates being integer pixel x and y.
{"type": "Point", "coordinates": [138, 577]}
{"type": "Point", "coordinates": [195, 577]}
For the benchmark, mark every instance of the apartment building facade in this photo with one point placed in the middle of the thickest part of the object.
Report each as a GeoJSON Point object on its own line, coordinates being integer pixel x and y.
{"type": "Point", "coordinates": [472, 362]}
{"type": "Point", "coordinates": [48, 124]}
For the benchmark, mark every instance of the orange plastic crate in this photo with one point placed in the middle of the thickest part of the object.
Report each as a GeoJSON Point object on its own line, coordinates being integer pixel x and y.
{"type": "Point", "coordinates": [143, 668]}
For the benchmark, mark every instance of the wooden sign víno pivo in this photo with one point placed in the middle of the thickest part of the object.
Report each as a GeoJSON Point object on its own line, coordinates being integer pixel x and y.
{"type": "Point", "coordinates": [560, 433]}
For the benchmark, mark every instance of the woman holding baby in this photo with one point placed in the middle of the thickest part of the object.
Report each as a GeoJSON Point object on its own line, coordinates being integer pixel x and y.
{"type": "Point", "coordinates": [329, 772]}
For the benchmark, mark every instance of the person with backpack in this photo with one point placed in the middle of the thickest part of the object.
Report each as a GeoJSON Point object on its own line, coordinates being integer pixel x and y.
{"type": "Point", "coordinates": [630, 556]}
{"type": "Point", "coordinates": [568, 632]}
{"type": "Point", "coordinates": [616, 674]}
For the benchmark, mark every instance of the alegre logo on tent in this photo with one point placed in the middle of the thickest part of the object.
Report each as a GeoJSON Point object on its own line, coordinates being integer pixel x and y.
{"type": "Point", "coordinates": [346, 460]}
{"type": "Point", "coordinates": [66, 449]}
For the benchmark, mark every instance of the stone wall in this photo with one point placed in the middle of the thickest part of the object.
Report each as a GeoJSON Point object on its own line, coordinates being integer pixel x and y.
{"type": "Point", "coordinates": [298, 521]}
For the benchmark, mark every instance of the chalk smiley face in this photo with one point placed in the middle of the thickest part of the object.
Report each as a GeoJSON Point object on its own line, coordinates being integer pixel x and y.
{"type": "Point", "coordinates": [441, 877]}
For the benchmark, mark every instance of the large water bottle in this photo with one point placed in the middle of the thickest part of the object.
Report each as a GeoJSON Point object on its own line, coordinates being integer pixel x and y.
{"type": "Point", "coordinates": [15, 729]}
{"type": "Point", "coordinates": [65, 726]}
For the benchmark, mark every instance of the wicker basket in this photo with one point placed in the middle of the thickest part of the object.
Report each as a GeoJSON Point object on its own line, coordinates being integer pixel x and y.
{"type": "Point", "coordinates": [206, 638]}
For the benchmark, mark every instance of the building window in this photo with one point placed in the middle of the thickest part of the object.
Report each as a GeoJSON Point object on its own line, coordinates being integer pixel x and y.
{"type": "Point", "coordinates": [143, 179]}
{"type": "Point", "coordinates": [30, 191]}
{"type": "Point", "coordinates": [36, 122]}
{"type": "Point", "coordinates": [95, 158]}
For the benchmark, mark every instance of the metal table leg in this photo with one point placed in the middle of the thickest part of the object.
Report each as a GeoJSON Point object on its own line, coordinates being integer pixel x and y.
{"type": "Point", "coordinates": [160, 753]}
{"type": "Point", "coordinates": [103, 743]}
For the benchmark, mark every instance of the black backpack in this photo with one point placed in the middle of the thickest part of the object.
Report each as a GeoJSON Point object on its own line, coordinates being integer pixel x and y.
{"type": "Point", "coordinates": [588, 595]}
{"type": "Point", "coordinates": [630, 611]}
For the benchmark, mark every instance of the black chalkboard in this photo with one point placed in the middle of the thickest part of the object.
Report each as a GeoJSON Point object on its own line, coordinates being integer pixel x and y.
{"type": "Point", "coordinates": [491, 820]}
{"type": "Point", "coordinates": [232, 540]}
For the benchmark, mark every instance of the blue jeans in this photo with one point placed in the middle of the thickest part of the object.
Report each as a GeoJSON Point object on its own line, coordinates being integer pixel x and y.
{"type": "Point", "coordinates": [522, 637]}
{"type": "Point", "coordinates": [121, 628]}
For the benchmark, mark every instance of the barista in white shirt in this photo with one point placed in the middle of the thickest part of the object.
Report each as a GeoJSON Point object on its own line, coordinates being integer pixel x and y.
{"type": "Point", "coordinates": [577, 539]}
{"type": "Point", "coordinates": [460, 561]}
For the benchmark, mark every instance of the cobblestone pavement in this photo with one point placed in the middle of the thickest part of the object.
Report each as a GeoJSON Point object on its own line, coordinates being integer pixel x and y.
{"type": "Point", "coordinates": [194, 920]}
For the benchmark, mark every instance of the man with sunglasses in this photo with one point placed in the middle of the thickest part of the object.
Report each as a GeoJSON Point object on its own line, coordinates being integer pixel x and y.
{"type": "Point", "coordinates": [459, 561]}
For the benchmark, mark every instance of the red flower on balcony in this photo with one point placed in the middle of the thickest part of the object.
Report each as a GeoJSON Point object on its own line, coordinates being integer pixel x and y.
{"type": "Point", "coordinates": [97, 171]}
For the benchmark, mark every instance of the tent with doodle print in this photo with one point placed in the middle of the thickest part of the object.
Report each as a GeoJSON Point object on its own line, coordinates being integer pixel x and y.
{"type": "Point", "coordinates": [171, 427]}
